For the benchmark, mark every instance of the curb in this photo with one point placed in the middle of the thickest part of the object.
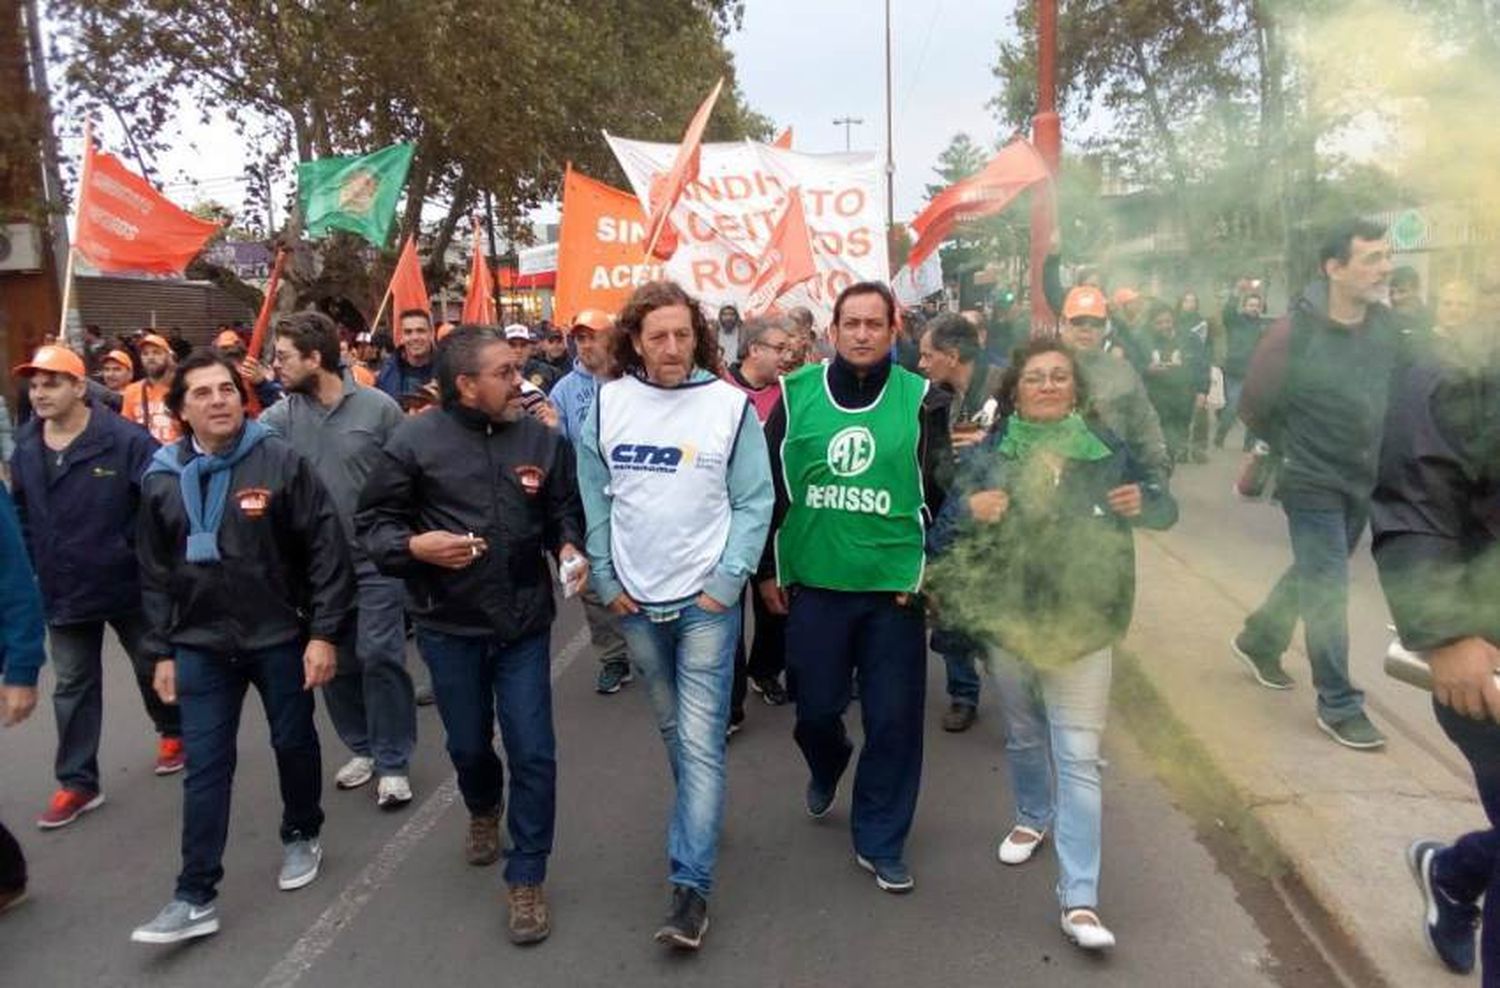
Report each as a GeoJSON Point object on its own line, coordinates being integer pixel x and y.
{"type": "Point", "coordinates": [1327, 826]}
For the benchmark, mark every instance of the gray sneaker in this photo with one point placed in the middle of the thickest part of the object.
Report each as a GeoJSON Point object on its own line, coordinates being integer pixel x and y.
{"type": "Point", "coordinates": [1354, 731]}
{"type": "Point", "coordinates": [1266, 672]}
{"type": "Point", "coordinates": [299, 864]}
{"type": "Point", "coordinates": [177, 922]}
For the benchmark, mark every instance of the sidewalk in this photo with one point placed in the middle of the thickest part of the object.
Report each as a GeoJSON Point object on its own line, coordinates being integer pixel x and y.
{"type": "Point", "coordinates": [1339, 820]}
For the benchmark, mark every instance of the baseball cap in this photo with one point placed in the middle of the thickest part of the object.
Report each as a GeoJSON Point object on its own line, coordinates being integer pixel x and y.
{"type": "Point", "coordinates": [1124, 296]}
{"type": "Point", "coordinates": [1085, 300]}
{"type": "Point", "coordinates": [151, 339]}
{"type": "Point", "coordinates": [119, 357]}
{"type": "Point", "coordinates": [228, 338]}
{"type": "Point", "coordinates": [594, 319]}
{"type": "Point", "coordinates": [55, 359]}
{"type": "Point", "coordinates": [516, 331]}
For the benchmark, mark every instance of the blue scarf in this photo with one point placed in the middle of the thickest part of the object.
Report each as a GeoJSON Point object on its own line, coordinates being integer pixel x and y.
{"type": "Point", "coordinates": [206, 512]}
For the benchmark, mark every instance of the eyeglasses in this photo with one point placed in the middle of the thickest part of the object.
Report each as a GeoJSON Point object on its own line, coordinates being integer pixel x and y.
{"type": "Point", "coordinates": [1036, 379]}
{"type": "Point", "coordinates": [777, 347]}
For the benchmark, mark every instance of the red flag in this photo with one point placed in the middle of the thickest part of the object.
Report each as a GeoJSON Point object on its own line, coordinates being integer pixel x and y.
{"type": "Point", "coordinates": [788, 257]}
{"type": "Point", "coordinates": [1015, 169]}
{"type": "Point", "coordinates": [479, 303]}
{"type": "Point", "coordinates": [408, 290]}
{"type": "Point", "coordinates": [684, 170]}
{"type": "Point", "coordinates": [783, 140]}
{"type": "Point", "coordinates": [126, 225]}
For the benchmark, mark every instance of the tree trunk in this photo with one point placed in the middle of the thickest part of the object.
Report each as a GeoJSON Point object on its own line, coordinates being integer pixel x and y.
{"type": "Point", "coordinates": [436, 271]}
{"type": "Point", "coordinates": [1276, 151]}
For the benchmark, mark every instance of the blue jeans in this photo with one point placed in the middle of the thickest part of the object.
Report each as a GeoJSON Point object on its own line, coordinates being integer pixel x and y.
{"type": "Point", "coordinates": [1054, 720]}
{"type": "Point", "coordinates": [1316, 589]}
{"type": "Point", "coordinates": [211, 693]}
{"type": "Point", "coordinates": [963, 678]}
{"type": "Point", "coordinates": [474, 679]}
{"type": "Point", "coordinates": [371, 701]}
{"type": "Point", "coordinates": [687, 661]}
{"type": "Point", "coordinates": [1469, 870]}
{"type": "Point", "coordinates": [831, 637]}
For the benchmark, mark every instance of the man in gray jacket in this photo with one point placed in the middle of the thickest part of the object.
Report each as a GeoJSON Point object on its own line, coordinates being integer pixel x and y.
{"type": "Point", "coordinates": [340, 428]}
{"type": "Point", "coordinates": [1116, 393]}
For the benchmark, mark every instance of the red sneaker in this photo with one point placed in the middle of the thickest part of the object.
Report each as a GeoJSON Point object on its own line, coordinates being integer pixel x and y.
{"type": "Point", "coordinates": [169, 756]}
{"type": "Point", "coordinates": [68, 805]}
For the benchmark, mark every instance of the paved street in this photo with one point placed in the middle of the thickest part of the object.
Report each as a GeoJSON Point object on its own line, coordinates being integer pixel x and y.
{"type": "Point", "coordinates": [396, 904]}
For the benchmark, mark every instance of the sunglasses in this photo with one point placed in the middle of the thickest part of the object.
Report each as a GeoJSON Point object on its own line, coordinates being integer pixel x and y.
{"type": "Point", "coordinates": [1087, 322]}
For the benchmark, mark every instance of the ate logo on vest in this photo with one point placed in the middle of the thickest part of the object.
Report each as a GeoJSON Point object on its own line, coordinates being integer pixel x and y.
{"type": "Point", "coordinates": [851, 451]}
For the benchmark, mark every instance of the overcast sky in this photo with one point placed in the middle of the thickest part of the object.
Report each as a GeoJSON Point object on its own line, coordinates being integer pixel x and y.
{"type": "Point", "coordinates": [800, 62]}
{"type": "Point", "coordinates": [807, 62]}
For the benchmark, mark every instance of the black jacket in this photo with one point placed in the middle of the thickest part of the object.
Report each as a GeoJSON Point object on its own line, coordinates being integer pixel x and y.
{"type": "Point", "coordinates": [1317, 391]}
{"type": "Point", "coordinates": [80, 527]}
{"type": "Point", "coordinates": [1436, 507]}
{"type": "Point", "coordinates": [512, 483]}
{"type": "Point", "coordinates": [1054, 579]}
{"type": "Point", "coordinates": [284, 573]}
{"type": "Point", "coordinates": [934, 445]}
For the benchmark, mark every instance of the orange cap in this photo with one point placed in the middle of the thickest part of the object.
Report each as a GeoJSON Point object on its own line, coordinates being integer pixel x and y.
{"type": "Point", "coordinates": [151, 339]}
{"type": "Point", "coordinates": [594, 319]}
{"type": "Point", "coordinates": [1085, 300]}
{"type": "Point", "coordinates": [57, 360]}
{"type": "Point", "coordinates": [228, 338]}
{"type": "Point", "coordinates": [1124, 296]}
{"type": "Point", "coordinates": [119, 357]}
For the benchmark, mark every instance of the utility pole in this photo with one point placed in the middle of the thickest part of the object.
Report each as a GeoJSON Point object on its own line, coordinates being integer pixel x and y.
{"type": "Point", "coordinates": [489, 217]}
{"type": "Point", "coordinates": [890, 148]}
{"type": "Point", "coordinates": [848, 123]}
{"type": "Point", "coordinates": [1046, 135]}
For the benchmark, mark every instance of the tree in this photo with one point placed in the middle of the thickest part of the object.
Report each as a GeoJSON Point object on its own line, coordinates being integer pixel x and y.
{"type": "Point", "coordinates": [495, 97]}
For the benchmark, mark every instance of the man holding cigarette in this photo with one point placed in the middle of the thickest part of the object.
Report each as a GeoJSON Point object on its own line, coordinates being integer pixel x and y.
{"type": "Point", "coordinates": [465, 504]}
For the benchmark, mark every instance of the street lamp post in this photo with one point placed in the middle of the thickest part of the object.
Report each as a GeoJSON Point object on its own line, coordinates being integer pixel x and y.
{"type": "Point", "coordinates": [1046, 135]}
{"type": "Point", "coordinates": [848, 123]}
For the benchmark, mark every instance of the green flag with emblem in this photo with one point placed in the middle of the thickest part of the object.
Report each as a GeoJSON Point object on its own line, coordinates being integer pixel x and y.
{"type": "Point", "coordinates": [357, 194]}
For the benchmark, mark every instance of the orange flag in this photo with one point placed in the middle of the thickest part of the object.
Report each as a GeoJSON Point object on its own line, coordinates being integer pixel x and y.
{"type": "Point", "coordinates": [126, 225]}
{"type": "Point", "coordinates": [684, 170]}
{"type": "Point", "coordinates": [408, 290]}
{"type": "Point", "coordinates": [783, 140]}
{"type": "Point", "coordinates": [788, 257]}
{"type": "Point", "coordinates": [479, 303]}
{"type": "Point", "coordinates": [601, 248]}
{"type": "Point", "coordinates": [1015, 169]}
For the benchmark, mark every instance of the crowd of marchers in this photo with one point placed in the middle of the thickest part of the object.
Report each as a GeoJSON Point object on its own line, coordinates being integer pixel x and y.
{"type": "Point", "coordinates": [838, 495]}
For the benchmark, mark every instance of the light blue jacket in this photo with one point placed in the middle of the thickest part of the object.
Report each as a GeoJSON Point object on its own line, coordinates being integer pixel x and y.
{"type": "Point", "coordinates": [751, 497]}
{"type": "Point", "coordinates": [573, 396]}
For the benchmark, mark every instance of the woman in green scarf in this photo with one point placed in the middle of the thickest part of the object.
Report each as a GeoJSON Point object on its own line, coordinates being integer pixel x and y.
{"type": "Point", "coordinates": [1034, 556]}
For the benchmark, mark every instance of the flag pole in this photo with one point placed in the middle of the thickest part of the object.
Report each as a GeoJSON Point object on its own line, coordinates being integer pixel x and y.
{"type": "Point", "coordinates": [267, 305]}
{"type": "Point", "coordinates": [67, 296]}
{"type": "Point", "coordinates": [375, 323]}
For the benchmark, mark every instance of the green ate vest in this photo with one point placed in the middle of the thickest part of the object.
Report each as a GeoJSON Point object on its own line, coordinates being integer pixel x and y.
{"type": "Point", "coordinates": [855, 487]}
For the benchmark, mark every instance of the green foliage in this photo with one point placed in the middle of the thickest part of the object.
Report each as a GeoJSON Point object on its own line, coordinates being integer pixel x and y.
{"type": "Point", "coordinates": [496, 96]}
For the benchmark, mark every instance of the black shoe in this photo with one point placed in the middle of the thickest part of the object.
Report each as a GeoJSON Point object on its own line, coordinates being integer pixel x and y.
{"type": "Point", "coordinates": [770, 690]}
{"type": "Point", "coordinates": [688, 920]}
{"type": "Point", "coordinates": [891, 876]}
{"type": "Point", "coordinates": [960, 717]}
{"type": "Point", "coordinates": [1448, 925]}
{"type": "Point", "coordinates": [820, 800]}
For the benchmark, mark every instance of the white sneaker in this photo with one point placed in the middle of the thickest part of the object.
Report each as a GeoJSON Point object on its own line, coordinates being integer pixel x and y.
{"type": "Point", "coordinates": [1014, 851]}
{"type": "Point", "coordinates": [392, 792]}
{"type": "Point", "coordinates": [355, 773]}
{"type": "Point", "coordinates": [1088, 935]}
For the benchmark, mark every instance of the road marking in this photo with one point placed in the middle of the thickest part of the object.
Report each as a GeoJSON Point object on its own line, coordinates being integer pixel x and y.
{"type": "Point", "coordinates": [357, 894]}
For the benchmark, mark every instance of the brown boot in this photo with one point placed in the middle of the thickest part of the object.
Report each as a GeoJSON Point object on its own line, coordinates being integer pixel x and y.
{"type": "Point", "coordinates": [483, 846]}
{"type": "Point", "coordinates": [529, 920]}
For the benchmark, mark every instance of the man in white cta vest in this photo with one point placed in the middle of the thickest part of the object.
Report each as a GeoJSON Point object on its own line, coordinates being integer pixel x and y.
{"type": "Point", "coordinates": [676, 483]}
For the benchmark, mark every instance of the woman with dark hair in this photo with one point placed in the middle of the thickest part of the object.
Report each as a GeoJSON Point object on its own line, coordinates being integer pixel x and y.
{"type": "Point", "coordinates": [1035, 558]}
